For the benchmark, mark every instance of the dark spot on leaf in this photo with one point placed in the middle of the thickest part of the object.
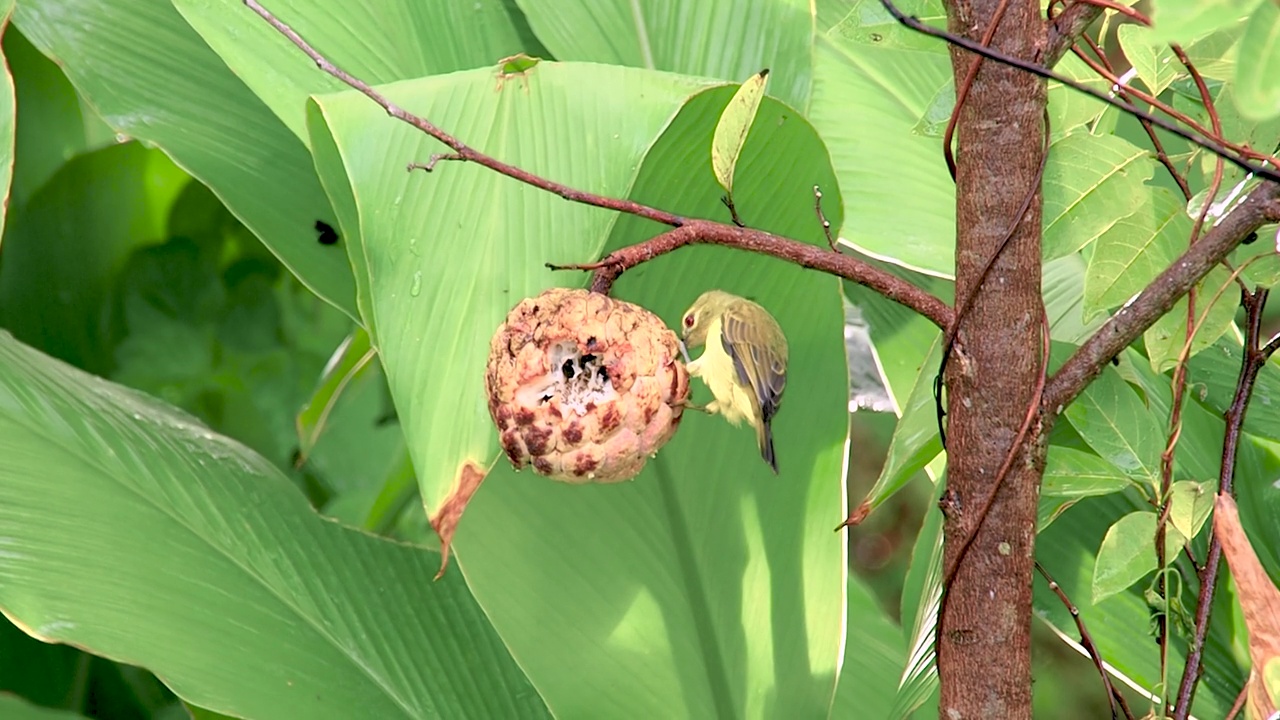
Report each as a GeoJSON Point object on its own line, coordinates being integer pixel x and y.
{"type": "Point", "coordinates": [328, 236]}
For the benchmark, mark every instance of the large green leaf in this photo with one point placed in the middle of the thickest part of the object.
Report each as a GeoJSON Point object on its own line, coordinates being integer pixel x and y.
{"type": "Point", "coordinates": [869, 94]}
{"type": "Point", "coordinates": [725, 39]}
{"type": "Point", "coordinates": [1133, 251]}
{"type": "Point", "coordinates": [1090, 183]}
{"type": "Point", "coordinates": [133, 531]}
{"type": "Point", "coordinates": [915, 441]}
{"type": "Point", "coordinates": [713, 586]}
{"type": "Point", "coordinates": [1257, 89]}
{"type": "Point", "coordinates": [172, 91]}
{"type": "Point", "coordinates": [15, 708]}
{"type": "Point", "coordinates": [873, 658]}
{"type": "Point", "coordinates": [444, 256]}
{"type": "Point", "coordinates": [8, 118]}
{"type": "Point", "coordinates": [1168, 336]}
{"type": "Point", "coordinates": [1111, 417]}
{"type": "Point", "coordinates": [921, 603]}
{"type": "Point", "coordinates": [1181, 21]}
{"type": "Point", "coordinates": [1214, 373]}
{"type": "Point", "coordinates": [414, 39]}
{"type": "Point", "coordinates": [1119, 625]}
{"type": "Point", "coordinates": [63, 252]}
{"type": "Point", "coordinates": [1070, 475]}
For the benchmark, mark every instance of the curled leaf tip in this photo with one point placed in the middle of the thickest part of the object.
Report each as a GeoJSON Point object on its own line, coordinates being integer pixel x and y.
{"type": "Point", "coordinates": [445, 520]}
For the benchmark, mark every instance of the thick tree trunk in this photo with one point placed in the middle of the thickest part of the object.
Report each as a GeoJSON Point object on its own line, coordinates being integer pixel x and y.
{"type": "Point", "coordinates": [984, 642]}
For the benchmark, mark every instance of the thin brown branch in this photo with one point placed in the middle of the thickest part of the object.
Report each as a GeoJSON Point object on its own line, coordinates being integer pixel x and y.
{"type": "Point", "coordinates": [707, 232]}
{"type": "Point", "coordinates": [688, 231]}
{"type": "Point", "coordinates": [1114, 696]}
{"type": "Point", "coordinates": [1255, 357]}
{"type": "Point", "coordinates": [1261, 207]}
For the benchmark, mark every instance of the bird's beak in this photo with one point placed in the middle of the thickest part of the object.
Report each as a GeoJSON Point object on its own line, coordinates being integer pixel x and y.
{"type": "Point", "coordinates": [684, 351]}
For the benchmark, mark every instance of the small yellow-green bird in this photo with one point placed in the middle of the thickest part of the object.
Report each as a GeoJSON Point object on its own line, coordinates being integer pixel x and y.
{"type": "Point", "coordinates": [745, 363]}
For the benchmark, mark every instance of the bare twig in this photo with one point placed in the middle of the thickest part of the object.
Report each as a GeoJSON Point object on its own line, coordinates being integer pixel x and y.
{"type": "Point", "coordinates": [688, 231]}
{"type": "Point", "coordinates": [1114, 696]}
{"type": "Point", "coordinates": [1254, 359]}
{"type": "Point", "coordinates": [822, 218]}
{"type": "Point", "coordinates": [733, 211]}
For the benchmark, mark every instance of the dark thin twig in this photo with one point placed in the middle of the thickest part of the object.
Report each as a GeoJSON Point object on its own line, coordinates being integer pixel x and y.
{"type": "Point", "coordinates": [727, 200]}
{"type": "Point", "coordinates": [822, 218]}
{"type": "Point", "coordinates": [1254, 359]}
{"type": "Point", "coordinates": [1235, 156]}
{"type": "Point", "coordinates": [688, 231]}
{"type": "Point", "coordinates": [1114, 696]}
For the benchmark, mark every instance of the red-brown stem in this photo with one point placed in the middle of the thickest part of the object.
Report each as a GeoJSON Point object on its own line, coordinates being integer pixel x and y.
{"type": "Point", "coordinates": [1255, 357]}
{"type": "Point", "coordinates": [1114, 697]}
{"type": "Point", "coordinates": [707, 232]}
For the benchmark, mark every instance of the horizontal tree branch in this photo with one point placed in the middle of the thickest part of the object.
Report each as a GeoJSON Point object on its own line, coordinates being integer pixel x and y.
{"type": "Point", "coordinates": [688, 231]}
{"type": "Point", "coordinates": [1261, 207]}
{"type": "Point", "coordinates": [707, 232]}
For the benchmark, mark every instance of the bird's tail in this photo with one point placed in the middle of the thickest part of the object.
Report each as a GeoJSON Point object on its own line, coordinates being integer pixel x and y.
{"type": "Point", "coordinates": [764, 437]}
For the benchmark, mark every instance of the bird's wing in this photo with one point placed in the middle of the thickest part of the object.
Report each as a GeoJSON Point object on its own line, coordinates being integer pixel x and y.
{"type": "Point", "coordinates": [758, 367]}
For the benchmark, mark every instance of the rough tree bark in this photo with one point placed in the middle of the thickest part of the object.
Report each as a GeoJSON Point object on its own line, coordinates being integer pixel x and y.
{"type": "Point", "coordinates": [984, 641]}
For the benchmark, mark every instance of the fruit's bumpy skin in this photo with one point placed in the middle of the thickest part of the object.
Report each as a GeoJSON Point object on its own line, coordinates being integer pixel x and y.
{"type": "Point", "coordinates": [583, 387]}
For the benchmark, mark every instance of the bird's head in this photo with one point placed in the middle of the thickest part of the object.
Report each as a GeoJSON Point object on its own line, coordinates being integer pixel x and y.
{"type": "Point", "coordinates": [701, 314]}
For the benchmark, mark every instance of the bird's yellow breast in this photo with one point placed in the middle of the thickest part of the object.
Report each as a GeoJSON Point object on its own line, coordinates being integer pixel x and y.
{"type": "Point", "coordinates": [717, 370]}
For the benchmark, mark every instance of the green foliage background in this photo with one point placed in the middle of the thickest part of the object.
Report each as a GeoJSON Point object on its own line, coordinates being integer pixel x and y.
{"type": "Point", "coordinates": [220, 438]}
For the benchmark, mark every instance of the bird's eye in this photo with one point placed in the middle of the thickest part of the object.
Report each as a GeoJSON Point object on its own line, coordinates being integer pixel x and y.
{"type": "Point", "coordinates": [688, 321]}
